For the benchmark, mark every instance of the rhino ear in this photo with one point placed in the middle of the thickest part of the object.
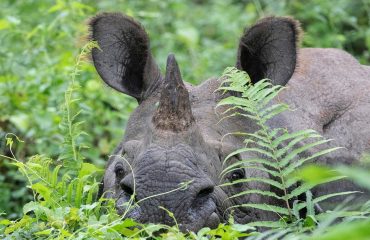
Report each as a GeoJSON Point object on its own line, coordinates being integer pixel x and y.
{"type": "Point", "coordinates": [269, 49]}
{"type": "Point", "coordinates": [124, 60]}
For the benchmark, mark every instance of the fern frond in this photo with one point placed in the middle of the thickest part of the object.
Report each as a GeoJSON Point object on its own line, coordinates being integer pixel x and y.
{"type": "Point", "coordinates": [265, 207]}
{"type": "Point", "coordinates": [256, 167]}
{"type": "Point", "coordinates": [273, 110]}
{"type": "Point", "coordinates": [269, 224]}
{"type": "Point", "coordinates": [326, 197]}
{"type": "Point", "coordinates": [262, 180]}
{"type": "Point", "coordinates": [246, 162]}
{"type": "Point", "coordinates": [253, 150]}
{"type": "Point", "coordinates": [309, 133]}
{"type": "Point", "coordinates": [256, 191]}
{"type": "Point", "coordinates": [70, 125]}
{"type": "Point", "coordinates": [295, 152]}
{"type": "Point", "coordinates": [280, 152]}
{"type": "Point", "coordinates": [290, 168]}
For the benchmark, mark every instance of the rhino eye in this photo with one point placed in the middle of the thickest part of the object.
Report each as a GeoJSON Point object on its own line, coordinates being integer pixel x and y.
{"type": "Point", "coordinates": [237, 175]}
{"type": "Point", "coordinates": [119, 170]}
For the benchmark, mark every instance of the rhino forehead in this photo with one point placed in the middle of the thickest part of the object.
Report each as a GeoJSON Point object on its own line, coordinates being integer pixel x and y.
{"type": "Point", "coordinates": [172, 162]}
{"type": "Point", "coordinates": [203, 99]}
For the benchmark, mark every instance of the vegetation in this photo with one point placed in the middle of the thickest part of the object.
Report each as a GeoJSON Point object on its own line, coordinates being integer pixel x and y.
{"type": "Point", "coordinates": [38, 73]}
{"type": "Point", "coordinates": [63, 205]}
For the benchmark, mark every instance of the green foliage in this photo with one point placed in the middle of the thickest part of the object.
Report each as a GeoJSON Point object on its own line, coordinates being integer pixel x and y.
{"type": "Point", "coordinates": [69, 125]}
{"type": "Point", "coordinates": [279, 151]}
{"type": "Point", "coordinates": [280, 154]}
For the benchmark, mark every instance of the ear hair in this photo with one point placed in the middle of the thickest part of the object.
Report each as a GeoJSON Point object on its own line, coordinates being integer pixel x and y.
{"type": "Point", "coordinates": [294, 23]}
{"type": "Point", "coordinates": [269, 49]}
{"type": "Point", "coordinates": [124, 61]}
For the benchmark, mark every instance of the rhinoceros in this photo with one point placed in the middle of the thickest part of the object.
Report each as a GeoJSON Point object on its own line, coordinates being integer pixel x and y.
{"type": "Point", "coordinates": [174, 138]}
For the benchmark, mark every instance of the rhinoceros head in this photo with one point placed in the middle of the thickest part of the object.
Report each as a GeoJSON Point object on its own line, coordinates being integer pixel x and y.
{"type": "Point", "coordinates": [174, 144]}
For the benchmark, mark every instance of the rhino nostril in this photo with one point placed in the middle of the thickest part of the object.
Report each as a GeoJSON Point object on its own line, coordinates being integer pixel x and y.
{"type": "Point", "coordinates": [205, 192]}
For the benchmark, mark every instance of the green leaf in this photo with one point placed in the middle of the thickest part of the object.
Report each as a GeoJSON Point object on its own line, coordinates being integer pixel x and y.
{"type": "Point", "coordinates": [256, 167]}
{"type": "Point", "coordinates": [32, 206]}
{"type": "Point", "coordinates": [79, 191]}
{"type": "Point", "coordinates": [309, 133]}
{"type": "Point", "coordinates": [256, 150]}
{"type": "Point", "coordinates": [269, 224]}
{"type": "Point", "coordinates": [44, 232]}
{"type": "Point", "coordinates": [88, 169]}
{"type": "Point", "coordinates": [265, 207]}
{"type": "Point", "coordinates": [54, 179]}
{"type": "Point", "coordinates": [4, 24]}
{"type": "Point", "coordinates": [233, 101]}
{"type": "Point", "coordinates": [272, 92]}
{"type": "Point", "coordinates": [298, 191]}
{"type": "Point", "coordinates": [5, 222]}
{"type": "Point", "coordinates": [263, 180]}
{"type": "Point", "coordinates": [43, 190]}
{"type": "Point", "coordinates": [284, 161]}
{"type": "Point", "coordinates": [9, 142]}
{"type": "Point", "coordinates": [310, 206]}
{"type": "Point", "coordinates": [290, 168]}
{"type": "Point", "coordinates": [315, 174]}
{"type": "Point", "coordinates": [361, 176]}
{"type": "Point", "coordinates": [327, 196]}
{"type": "Point", "coordinates": [289, 147]}
{"type": "Point", "coordinates": [256, 191]}
{"type": "Point", "coordinates": [25, 221]}
{"type": "Point", "coordinates": [273, 112]}
{"type": "Point", "coordinates": [247, 163]}
{"type": "Point", "coordinates": [241, 227]}
{"type": "Point", "coordinates": [357, 230]}
{"type": "Point", "coordinates": [310, 221]}
{"type": "Point", "coordinates": [260, 144]}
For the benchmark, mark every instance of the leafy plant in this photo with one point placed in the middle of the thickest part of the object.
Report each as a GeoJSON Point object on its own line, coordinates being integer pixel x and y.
{"type": "Point", "coordinates": [279, 152]}
{"type": "Point", "coordinates": [69, 124]}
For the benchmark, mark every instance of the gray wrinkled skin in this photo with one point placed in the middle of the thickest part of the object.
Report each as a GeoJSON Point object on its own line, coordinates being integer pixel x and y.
{"type": "Point", "coordinates": [328, 90]}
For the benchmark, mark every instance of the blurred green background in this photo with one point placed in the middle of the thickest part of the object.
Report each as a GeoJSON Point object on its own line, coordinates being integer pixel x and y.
{"type": "Point", "coordinates": [40, 39]}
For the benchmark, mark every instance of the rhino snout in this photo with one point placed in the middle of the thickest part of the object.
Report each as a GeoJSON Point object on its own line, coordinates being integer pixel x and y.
{"type": "Point", "coordinates": [193, 206]}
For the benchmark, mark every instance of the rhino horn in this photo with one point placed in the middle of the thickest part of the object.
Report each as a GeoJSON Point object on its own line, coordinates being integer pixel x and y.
{"type": "Point", "coordinates": [174, 110]}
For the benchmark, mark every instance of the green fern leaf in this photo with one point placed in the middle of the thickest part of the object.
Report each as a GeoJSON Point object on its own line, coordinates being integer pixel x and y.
{"type": "Point", "coordinates": [265, 207]}
{"type": "Point", "coordinates": [268, 224]}
{"type": "Point", "coordinates": [285, 160]}
{"type": "Point", "coordinates": [256, 191]}
{"type": "Point", "coordinates": [247, 162]}
{"type": "Point", "coordinates": [289, 169]}
{"type": "Point", "coordinates": [326, 197]}
{"type": "Point", "coordinates": [286, 136]}
{"type": "Point", "coordinates": [263, 180]}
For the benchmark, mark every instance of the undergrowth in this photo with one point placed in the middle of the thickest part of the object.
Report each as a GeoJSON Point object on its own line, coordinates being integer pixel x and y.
{"type": "Point", "coordinates": [40, 38]}
{"type": "Point", "coordinates": [64, 204]}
